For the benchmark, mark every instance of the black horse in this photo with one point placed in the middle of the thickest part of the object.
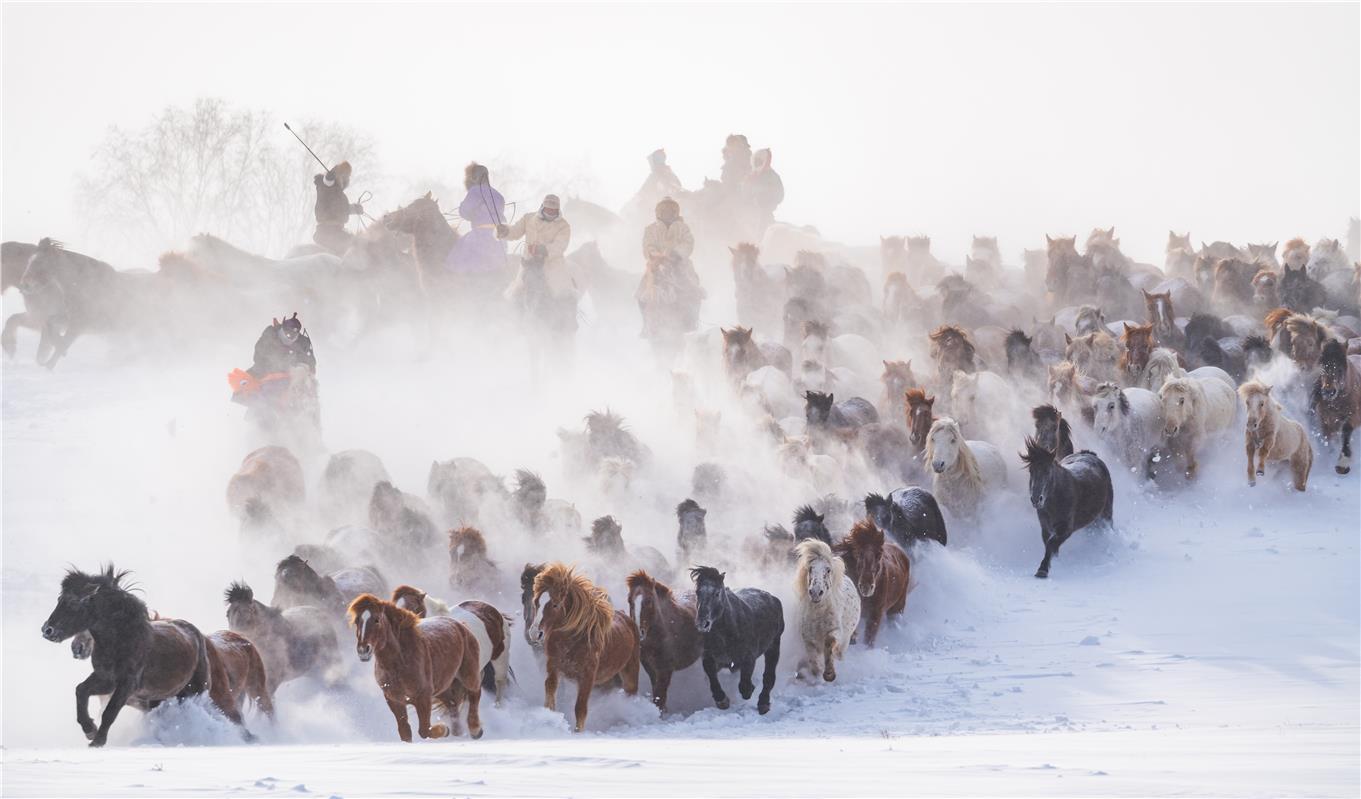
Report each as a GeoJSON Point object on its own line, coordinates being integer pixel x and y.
{"type": "Point", "coordinates": [808, 524]}
{"type": "Point", "coordinates": [908, 515]}
{"type": "Point", "coordinates": [691, 535]}
{"type": "Point", "coordinates": [1301, 293]}
{"type": "Point", "coordinates": [1022, 360]}
{"type": "Point", "coordinates": [1067, 494]}
{"type": "Point", "coordinates": [135, 660]}
{"type": "Point", "coordinates": [823, 414]}
{"type": "Point", "coordinates": [738, 628]}
{"type": "Point", "coordinates": [1052, 430]}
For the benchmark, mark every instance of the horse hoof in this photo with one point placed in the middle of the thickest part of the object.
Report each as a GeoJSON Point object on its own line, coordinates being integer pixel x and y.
{"type": "Point", "coordinates": [1042, 574]}
{"type": "Point", "coordinates": [476, 734]}
{"type": "Point", "coordinates": [96, 743]}
{"type": "Point", "coordinates": [1343, 469]}
{"type": "Point", "coordinates": [437, 731]}
{"type": "Point", "coordinates": [829, 676]}
{"type": "Point", "coordinates": [763, 708]}
{"type": "Point", "coordinates": [722, 704]}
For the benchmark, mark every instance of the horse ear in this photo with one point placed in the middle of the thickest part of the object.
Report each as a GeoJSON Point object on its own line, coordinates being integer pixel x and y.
{"type": "Point", "coordinates": [930, 401]}
{"type": "Point", "coordinates": [275, 322]}
{"type": "Point", "coordinates": [427, 195]}
{"type": "Point", "coordinates": [1127, 327]}
{"type": "Point", "coordinates": [1048, 239]}
{"type": "Point", "coordinates": [1268, 389]}
{"type": "Point", "coordinates": [1067, 339]}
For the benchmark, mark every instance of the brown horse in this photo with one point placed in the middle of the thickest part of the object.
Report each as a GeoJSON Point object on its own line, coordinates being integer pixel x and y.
{"type": "Point", "coordinates": [1301, 336]}
{"type": "Point", "coordinates": [419, 661]}
{"type": "Point", "coordinates": [919, 418]}
{"type": "Point", "coordinates": [1336, 399]}
{"type": "Point", "coordinates": [488, 625]}
{"type": "Point", "coordinates": [897, 379]}
{"type": "Point", "coordinates": [1138, 344]}
{"type": "Point", "coordinates": [584, 637]}
{"type": "Point", "coordinates": [470, 570]}
{"type": "Point", "coordinates": [1164, 319]}
{"type": "Point", "coordinates": [238, 677]}
{"type": "Point", "coordinates": [669, 640]}
{"type": "Point", "coordinates": [952, 350]}
{"type": "Point", "coordinates": [432, 235]}
{"type": "Point", "coordinates": [266, 490]}
{"type": "Point", "coordinates": [1271, 435]}
{"type": "Point", "coordinates": [881, 572]}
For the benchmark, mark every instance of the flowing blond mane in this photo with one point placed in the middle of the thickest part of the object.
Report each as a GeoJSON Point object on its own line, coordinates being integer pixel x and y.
{"type": "Point", "coordinates": [966, 465]}
{"type": "Point", "coordinates": [588, 608]}
{"type": "Point", "coordinates": [811, 551]}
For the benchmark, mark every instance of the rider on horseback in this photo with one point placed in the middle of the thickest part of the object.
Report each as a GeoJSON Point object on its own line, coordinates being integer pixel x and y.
{"type": "Point", "coordinates": [546, 236]}
{"type": "Point", "coordinates": [334, 208]}
{"type": "Point", "coordinates": [669, 294]}
{"type": "Point", "coordinates": [282, 346]}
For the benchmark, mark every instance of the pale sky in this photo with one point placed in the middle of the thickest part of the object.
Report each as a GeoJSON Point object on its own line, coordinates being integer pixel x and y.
{"type": "Point", "coordinates": [1235, 121]}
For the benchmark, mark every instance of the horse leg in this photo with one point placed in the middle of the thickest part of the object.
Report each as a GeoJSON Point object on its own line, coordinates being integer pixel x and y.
{"type": "Point", "coordinates": [398, 709]}
{"type": "Point", "coordinates": [1301, 462]}
{"type": "Point", "coordinates": [772, 662]}
{"type": "Point", "coordinates": [661, 688]}
{"type": "Point", "coordinates": [872, 622]}
{"type": "Point", "coordinates": [629, 675]}
{"type": "Point", "coordinates": [1261, 460]}
{"type": "Point", "coordinates": [550, 686]}
{"type": "Point", "coordinates": [1047, 537]}
{"type": "Point", "coordinates": [472, 691]}
{"type": "Point", "coordinates": [585, 682]}
{"type": "Point", "coordinates": [10, 338]}
{"type": "Point", "coordinates": [745, 670]}
{"type": "Point", "coordinates": [422, 701]}
{"type": "Point", "coordinates": [1191, 464]}
{"type": "Point", "coordinates": [1252, 478]}
{"type": "Point", "coordinates": [98, 684]}
{"type": "Point", "coordinates": [652, 680]}
{"type": "Point", "coordinates": [711, 671]}
{"type": "Point", "coordinates": [64, 342]}
{"type": "Point", "coordinates": [1051, 548]}
{"type": "Point", "coordinates": [829, 657]}
{"type": "Point", "coordinates": [452, 700]}
{"type": "Point", "coordinates": [1344, 458]}
{"type": "Point", "coordinates": [121, 692]}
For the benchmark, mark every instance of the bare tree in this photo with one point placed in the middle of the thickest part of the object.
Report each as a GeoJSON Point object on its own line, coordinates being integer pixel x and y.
{"type": "Point", "coordinates": [235, 173]}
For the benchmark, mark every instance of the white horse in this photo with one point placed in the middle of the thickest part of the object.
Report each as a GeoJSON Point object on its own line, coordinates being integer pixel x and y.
{"type": "Point", "coordinates": [1196, 407]}
{"type": "Point", "coordinates": [828, 608]}
{"type": "Point", "coordinates": [1129, 421]}
{"type": "Point", "coordinates": [964, 472]}
{"type": "Point", "coordinates": [982, 403]}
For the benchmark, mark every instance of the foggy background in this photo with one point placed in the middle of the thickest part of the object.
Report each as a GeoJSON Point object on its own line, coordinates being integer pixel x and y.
{"type": "Point", "coordinates": [1237, 122]}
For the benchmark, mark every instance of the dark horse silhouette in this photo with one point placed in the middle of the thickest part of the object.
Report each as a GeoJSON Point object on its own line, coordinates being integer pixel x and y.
{"type": "Point", "coordinates": [1067, 494]}
{"type": "Point", "coordinates": [738, 628]}
{"type": "Point", "coordinates": [908, 515]}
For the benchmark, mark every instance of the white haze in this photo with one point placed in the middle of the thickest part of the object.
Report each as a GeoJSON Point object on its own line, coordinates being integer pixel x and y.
{"type": "Point", "coordinates": [1234, 121]}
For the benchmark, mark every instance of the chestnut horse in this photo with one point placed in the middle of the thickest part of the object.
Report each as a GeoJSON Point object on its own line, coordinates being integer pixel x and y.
{"type": "Point", "coordinates": [669, 640]}
{"type": "Point", "coordinates": [881, 572]}
{"type": "Point", "coordinates": [584, 637]}
{"type": "Point", "coordinates": [919, 419]}
{"type": "Point", "coordinates": [419, 661]}
{"type": "Point", "coordinates": [489, 626]}
{"type": "Point", "coordinates": [1138, 345]}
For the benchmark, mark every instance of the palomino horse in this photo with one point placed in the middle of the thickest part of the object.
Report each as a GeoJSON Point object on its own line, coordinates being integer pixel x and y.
{"type": "Point", "coordinates": [738, 627]}
{"type": "Point", "coordinates": [1271, 435]}
{"type": "Point", "coordinates": [419, 661]}
{"type": "Point", "coordinates": [828, 608]}
{"type": "Point", "coordinates": [584, 637]}
{"type": "Point", "coordinates": [881, 572]}
{"type": "Point", "coordinates": [1067, 494]}
{"type": "Point", "coordinates": [668, 638]}
{"type": "Point", "coordinates": [135, 661]}
{"type": "Point", "coordinates": [1336, 399]}
{"type": "Point", "coordinates": [1195, 407]}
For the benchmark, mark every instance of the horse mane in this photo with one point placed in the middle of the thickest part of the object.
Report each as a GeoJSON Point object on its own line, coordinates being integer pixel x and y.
{"type": "Point", "coordinates": [525, 480]}
{"type": "Point", "coordinates": [864, 535]}
{"type": "Point", "coordinates": [776, 532]}
{"type": "Point", "coordinates": [1256, 342]}
{"type": "Point", "coordinates": [705, 574]}
{"type": "Point", "coordinates": [587, 606]}
{"type": "Point", "coordinates": [946, 331]}
{"type": "Point", "coordinates": [295, 561]}
{"type": "Point", "coordinates": [805, 513]}
{"type": "Point", "coordinates": [403, 591]}
{"type": "Point", "coordinates": [1254, 388]}
{"type": "Point", "coordinates": [811, 550]}
{"type": "Point", "coordinates": [1164, 357]}
{"type": "Point", "coordinates": [606, 421]}
{"type": "Point", "coordinates": [1045, 413]}
{"type": "Point", "coordinates": [875, 499]}
{"type": "Point", "coordinates": [403, 618]}
{"type": "Point", "coordinates": [1035, 454]}
{"type": "Point", "coordinates": [238, 593]}
{"type": "Point", "coordinates": [469, 537]}
{"type": "Point", "coordinates": [109, 578]}
{"type": "Point", "coordinates": [1276, 318]}
{"type": "Point", "coordinates": [915, 396]}
{"type": "Point", "coordinates": [966, 456]}
{"type": "Point", "coordinates": [1305, 325]}
{"type": "Point", "coordinates": [1017, 337]}
{"type": "Point", "coordinates": [1132, 332]}
{"type": "Point", "coordinates": [639, 578]}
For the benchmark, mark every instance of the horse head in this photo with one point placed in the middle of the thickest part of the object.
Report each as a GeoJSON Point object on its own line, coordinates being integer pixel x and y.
{"type": "Point", "coordinates": [710, 595]}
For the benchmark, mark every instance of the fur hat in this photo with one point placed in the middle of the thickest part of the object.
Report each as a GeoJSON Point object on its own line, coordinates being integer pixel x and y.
{"type": "Point", "coordinates": [667, 202]}
{"type": "Point", "coordinates": [342, 170]}
{"type": "Point", "coordinates": [552, 201]}
{"type": "Point", "coordinates": [657, 157]}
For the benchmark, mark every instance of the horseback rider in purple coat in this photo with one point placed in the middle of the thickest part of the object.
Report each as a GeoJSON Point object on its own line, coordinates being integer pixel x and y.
{"type": "Point", "coordinates": [479, 253]}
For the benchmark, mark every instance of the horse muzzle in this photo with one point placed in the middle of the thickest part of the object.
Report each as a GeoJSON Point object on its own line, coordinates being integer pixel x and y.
{"type": "Point", "coordinates": [51, 633]}
{"type": "Point", "coordinates": [938, 466]}
{"type": "Point", "coordinates": [365, 652]}
{"type": "Point", "coordinates": [1171, 431]}
{"type": "Point", "coordinates": [704, 625]}
{"type": "Point", "coordinates": [867, 592]}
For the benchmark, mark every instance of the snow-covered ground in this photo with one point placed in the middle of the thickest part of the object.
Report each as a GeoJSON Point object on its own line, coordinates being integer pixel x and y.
{"type": "Point", "coordinates": [1208, 646]}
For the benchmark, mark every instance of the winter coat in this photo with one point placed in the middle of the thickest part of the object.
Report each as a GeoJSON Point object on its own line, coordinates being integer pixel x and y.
{"type": "Point", "coordinates": [554, 236]}
{"type": "Point", "coordinates": [479, 250]}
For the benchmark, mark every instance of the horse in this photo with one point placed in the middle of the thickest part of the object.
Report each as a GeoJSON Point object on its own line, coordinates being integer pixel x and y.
{"type": "Point", "coordinates": [584, 637]}
{"type": "Point", "coordinates": [737, 627]}
{"type": "Point", "coordinates": [1300, 336]}
{"type": "Point", "coordinates": [1096, 355]}
{"type": "Point", "coordinates": [1068, 390]}
{"type": "Point", "coordinates": [897, 379]}
{"type": "Point", "coordinates": [881, 572]}
{"type": "Point", "coordinates": [1195, 407]}
{"type": "Point", "coordinates": [237, 678]}
{"type": "Point", "coordinates": [982, 402]}
{"type": "Point", "coordinates": [1300, 292]}
{"type": "Point", "coordinates": [952, 351]}
{"type": "Point", "coordinates": [404, 522]}
{"type": "Point", "coordinates": [908, 514]}
{"type": "Point", "coordinates": [432, 235]}
{"type": "Point", "coordinates": [293, 643]}
{"type": "Point", "coordinates": [607, 541]}
{"type": "Point", "coordinates": [470, 569]}
{"type": "Point", "coordinates": [1233, 284]}
{"type": "Point", "coordinates": [828, 608]}
{"type": "Point", "coordinates": [1069, 277]}
{"type": "Point", "coordinates": [669, 298]}
{"type": "Point", "coordinates": [1163, 364]}
{"type": "Point", "coordinates": [1163, 316]}
{"type": "Point", "coordinates": [460, 488]}
{"type": "Point", "coordinates": [1052, 430]}
{"type": "Point", "coordinates": [296, 583]}
{"type": "Point", "coordinates": [1266, 291]}
{"type": "Point", "coordinates": [527, 576]}
{"type": "Point", "coordinates": [965, 472]}
{"type": "Point", "coordinates": [135, 660]}
{"type": "Point", "coordinates": [808, 523]}
{"type": "Point", "coordinates": [538, 514]}
{"type": "Point", "coordinates": [1271, 435]}
{"type": "Point", "coordinates": [921, 266]}
{"type": "Point", "coordinates": [1137, 341]}
{"type": "Point", "coordinates": [691, 536]}
{"type": "Point", "coordinates": [1336, 399]}
{"type": "Point", "coordinates": [668, 638]}
{"type": "Point", "coordinates": [1129, 420]}
{"type": "Point", "coordinates": [824, 415]}
{"type": "Point", "coordinates": [919, 418]}
{"type": "Point", "coordinates": [1296, 254]}
{"type": "Point", "coordinates": [888, 450]}
{"type": "Point", "coordinates": [1023, 363]}
{"type": "Point", "coordinates": [489, 626]}
{"type": "Point", "coordinates": [759, 289]}
{"type": "Point", "coordinates": [901, 305]}
{"type": "Point", "coordinates": [267, 489]}
{"type": "Point", "coordinates": [346, 485]}
{"type": "Point", "coordinates": [741, 354]}
{"type": "Point", "coordinates": [419, 662]}
{"type": "Point", "coordinates": [1067, 493]}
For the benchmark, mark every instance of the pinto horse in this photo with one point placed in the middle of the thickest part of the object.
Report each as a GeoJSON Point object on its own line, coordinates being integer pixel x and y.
{"type": "Point", "coordinates": [135, 660]}
{"type": "Point", "coordinates": [738, 627]}
{"type": "Point", "coordinates": [881, 572]}
{"type": "Point", "coordinates": [418, 662]}
{"type": "Point", "coordinates": [1336, 399]}
{"type": "Point", "coordinates": [668, 638]}
{"type": "Point", "coordinates": [584, 637]}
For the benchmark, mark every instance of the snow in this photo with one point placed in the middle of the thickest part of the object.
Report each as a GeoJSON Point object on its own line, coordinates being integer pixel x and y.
{"type": "Point", "coordinates": [1207, 646]}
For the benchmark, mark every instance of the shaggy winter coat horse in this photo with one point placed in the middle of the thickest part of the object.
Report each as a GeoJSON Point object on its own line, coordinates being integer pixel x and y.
{"type": "Point", "coordinates": [1195, 408]}
{"type": "Point", "coordinates": [1067, 495]}
{"type": "Point", "coordinates": [965, 472]}
{"type": "Point", "coordinates": [1129, 421]}
{"type": "Point", "coordinates": [418, 662]}
{"type": "Point", "coordinates": [1271, 435]}
{"type": "Point", "coordinates": [668, 638]}
{"type": "Point", "coordinates": [908, 515]}
{"type": "Point", "coordinates": [738, 627]}
{"type": "Point", "coordinates": [584, 637]}
{"type": "Point", "coordinates": [293, 642]}
{"type": "Point", "coordinates": [489, 626]}
{"type": "Point", "coordinates": [266, 490]}
{"type": "Point", "coordinates": [881, 572]}
{"type": "Point", "coordinates": [828, 608]}
{"type": "Point", "coordinates": [1336, 399]}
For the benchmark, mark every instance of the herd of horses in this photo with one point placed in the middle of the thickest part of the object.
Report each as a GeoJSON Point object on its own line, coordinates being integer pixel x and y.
{"type": "Point", "coordinates": [1131, 376]}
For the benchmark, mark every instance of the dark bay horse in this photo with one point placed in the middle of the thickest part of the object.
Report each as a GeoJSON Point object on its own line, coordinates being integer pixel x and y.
{"type": "Point", "coordinates": [908, 514]}
{"type": "Point", "coordinates": [135, 660]}
{"type": "Point", "coordinates": [1052, 430]}
{"type": "Point", "coordinates": [825, 415]}
{"type": "Point", "coordinates": [584, 637]}
{"type": "Point", "coordinates": [432, 235]}
{"type": "Point", "coordinates": [1067, 494]}
{"type": "Point", "coordinates": [1336, 399]}
{"type": "Point", "coordinates": [881, 572]}
{"type": "Point", "coordinates": [419, 661]}
{"type": "Point", "coordinates": [691, 534]}
{"type": "Point", "coordinates": [668, 638]}
{"type": "Point", "coordinates": [808, 523]}
{"type": "Point", "coordinates": [920, 417]}
{"type": "Point", "coordinates": [738, 627]}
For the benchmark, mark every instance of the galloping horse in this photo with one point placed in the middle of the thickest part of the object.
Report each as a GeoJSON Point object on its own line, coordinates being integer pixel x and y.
{"type": "Point", "coordinates": [669, 639]}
